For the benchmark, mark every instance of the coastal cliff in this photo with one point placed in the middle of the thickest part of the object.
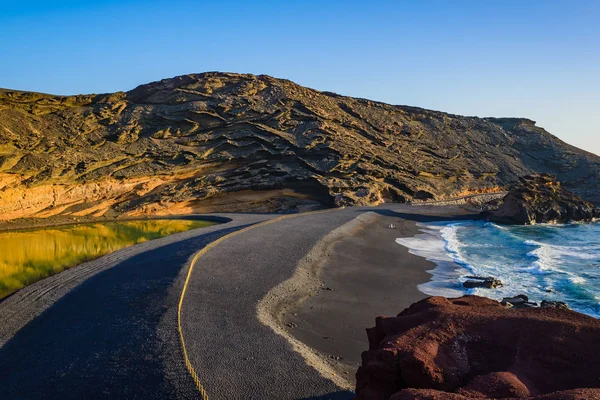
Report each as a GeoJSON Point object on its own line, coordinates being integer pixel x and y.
{"type": "Point", "coordinates": [474, 348]}
{"type": "Point", "coordinates": [238, 142]}
{"type": "Point", "coordinates": [542, 199]}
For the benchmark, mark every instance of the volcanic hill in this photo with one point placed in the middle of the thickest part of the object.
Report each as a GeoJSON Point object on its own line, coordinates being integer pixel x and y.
{"type": "Point", "coordinates": [238, 142]}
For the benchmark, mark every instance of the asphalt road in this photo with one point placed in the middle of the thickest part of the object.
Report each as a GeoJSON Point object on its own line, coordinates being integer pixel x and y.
{"type": "Point", "coordinates": [235, 356]}
{"type": "Point", "coordinates": [113, 335]}
{"type": "Point", "coordinates": [108, 328]}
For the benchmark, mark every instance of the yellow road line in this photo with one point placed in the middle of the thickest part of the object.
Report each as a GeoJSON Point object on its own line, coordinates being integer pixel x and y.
{"type": "Point", "coordinates": [206, 249]}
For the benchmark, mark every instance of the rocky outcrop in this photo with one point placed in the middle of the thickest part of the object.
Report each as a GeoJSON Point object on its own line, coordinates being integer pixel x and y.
{"type": "Point", "coordinates": [554, 304]}
{"type": "Point", "coordinates": [485, 282]}
{"type": "Point", "coordinates": [522, 301]}
{"type": "Point", "coordinates": [540, 198]}
{"type": "Point", "coordinates": [219, 141]}
{"type": "Point", "coordinates": [515, 301]}
{"type": "Point", "coordinates": [473, 347]}
{"type": "Point", "coordinates": [430, 394]}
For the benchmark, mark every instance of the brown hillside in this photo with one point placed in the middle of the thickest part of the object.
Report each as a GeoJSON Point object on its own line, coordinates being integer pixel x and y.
{"type": "Point", "coordinates": [219, 141]}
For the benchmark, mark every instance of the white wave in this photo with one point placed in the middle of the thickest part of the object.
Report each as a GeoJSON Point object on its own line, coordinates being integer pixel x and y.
{"type": "Point", "coordinates": [449, 234]}
{"type": "Point", "coordinates": [431, 245]}
{"type": "Point", "coordinates": [552, 257]}
{"type": "Point", "coordinates": [578, 280]}
{"type": "Point", "coordinates": [567, 249]}
{"type": "Point", "coordinates": [546, 261]}
{"type": "Point", "coordinates": [427, 244]}
{"type": "Point", "coordinates": [496, 226]}
{"type": "Point", "coordinates": [559, 266]}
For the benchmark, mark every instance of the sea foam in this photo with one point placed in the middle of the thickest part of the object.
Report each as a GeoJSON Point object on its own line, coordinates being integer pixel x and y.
{"type": "Point", "coordinates": [546, 262]}
{"type": "Point", "coordinates": [431, 245]}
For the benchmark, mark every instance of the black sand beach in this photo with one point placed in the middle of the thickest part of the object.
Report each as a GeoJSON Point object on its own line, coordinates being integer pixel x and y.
{"type": "Point", "coordinates": [364, 274]}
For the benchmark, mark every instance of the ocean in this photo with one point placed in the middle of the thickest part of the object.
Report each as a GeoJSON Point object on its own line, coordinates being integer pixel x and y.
{"type": "Point", "coordinates": [544, 262]}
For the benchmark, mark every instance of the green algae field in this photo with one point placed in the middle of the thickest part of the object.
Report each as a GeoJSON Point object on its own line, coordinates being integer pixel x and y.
{"type": "Point", "coordinates": [30, 255]}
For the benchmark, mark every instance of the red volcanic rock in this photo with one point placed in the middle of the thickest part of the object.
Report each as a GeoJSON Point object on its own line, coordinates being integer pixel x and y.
{"type": "Point", "coordinates": [495, 385]}
{"type": "Point", "coordinates": [431, 394]}
{"type": "Point", "coordinates": [473, 347]}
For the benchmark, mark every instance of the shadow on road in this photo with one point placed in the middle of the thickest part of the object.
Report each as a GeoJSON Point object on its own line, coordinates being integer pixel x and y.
{"type": "Point", "coordinates": [341, 395]}
{"type": "Point", "coordinates": [105, 338]}
{"type": "Point", "coordinates": [424, 218]}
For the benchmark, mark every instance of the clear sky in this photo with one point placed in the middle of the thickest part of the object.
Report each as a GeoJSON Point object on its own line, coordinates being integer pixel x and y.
{"type": "Point", "coordinates": [535, 59]}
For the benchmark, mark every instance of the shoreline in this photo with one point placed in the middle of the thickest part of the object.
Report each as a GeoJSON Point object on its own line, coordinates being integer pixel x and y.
{"type": "Point", "coordinates": [430, 244]}
{"type": "Point", "coordinates": [305, 283]}
{"type": "Point", "coordinates": [21, 225]}
{"type": "Point", "coordinates": [350, 277]}
{"type": "Point", "coordinates": [545, 262]}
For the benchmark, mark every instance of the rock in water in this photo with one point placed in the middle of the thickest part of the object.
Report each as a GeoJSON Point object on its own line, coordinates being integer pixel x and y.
{"type": "Point", "coordinates": [486, 282]}
{"type": "Point", "coordinates": [541, 199]}
{"type": "Point", "coordinates": [473, 347]}
{"type": "Point", "coordinates": [518, 299]}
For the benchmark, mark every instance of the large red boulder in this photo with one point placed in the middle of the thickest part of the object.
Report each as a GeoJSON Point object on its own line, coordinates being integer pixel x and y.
{"type": "Point", "coordinates": [473, 347]}
{"type": "Point", "coordinates": [432, 394]}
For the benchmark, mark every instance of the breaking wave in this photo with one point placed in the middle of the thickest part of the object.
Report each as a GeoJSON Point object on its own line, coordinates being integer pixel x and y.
{"type": "Point", "coordinates": [546, 262]}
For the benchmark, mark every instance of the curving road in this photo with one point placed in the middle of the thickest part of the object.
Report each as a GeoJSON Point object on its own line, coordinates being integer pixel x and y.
{"type": "Point", "coordinates": [235, 355]}
{"type": "Point", "coordinates": [108, 328]}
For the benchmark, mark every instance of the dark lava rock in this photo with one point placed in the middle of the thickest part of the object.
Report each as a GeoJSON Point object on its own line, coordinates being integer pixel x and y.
{"type": "Point", "coordinates": [430, 394]}
{"type": "Point", "coordinates": [526, 304]}
{"type": "Point", "coordinates": [522, 301]}
{"type": "Point", "coordinates": [513, 301]}
{"type": "Point", "coordinates": [473, 347]}
{"type": "Point", "coordinates": [541, 199]}
{"type": "Point", "coordinates": [554, 304]}
{"type": "Point", "coordinates": [486, 282]}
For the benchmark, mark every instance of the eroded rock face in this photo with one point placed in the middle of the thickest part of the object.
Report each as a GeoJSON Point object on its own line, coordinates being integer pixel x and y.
{"type": "Point", "coordinates": [541, 199]}
{"type": "Point", "coordinates": [473, 347]}
{"type": "Point", "coordinates": [218, 141]}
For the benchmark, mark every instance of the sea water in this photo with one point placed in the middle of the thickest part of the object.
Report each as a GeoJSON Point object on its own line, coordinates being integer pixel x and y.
{"type": "Point", "coordinates": [544, 262]}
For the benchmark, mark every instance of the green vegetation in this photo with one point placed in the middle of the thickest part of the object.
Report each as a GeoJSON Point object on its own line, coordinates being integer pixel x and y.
{"type": "Point", "coordinates": [28, 256]}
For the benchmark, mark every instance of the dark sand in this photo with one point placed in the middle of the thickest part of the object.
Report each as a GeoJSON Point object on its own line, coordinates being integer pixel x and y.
{"type": "Point", "coordinates": [368, 275]}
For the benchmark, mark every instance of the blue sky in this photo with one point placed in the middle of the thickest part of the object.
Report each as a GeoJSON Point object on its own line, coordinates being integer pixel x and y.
{"type": "Point", "coordinates": [535, 59]}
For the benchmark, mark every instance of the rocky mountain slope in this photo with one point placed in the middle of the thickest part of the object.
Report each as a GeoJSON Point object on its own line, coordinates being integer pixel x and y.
{"type": "Point", "coordinates": [541, 199]}
{"type": "Point", "coordinates": [219, 141]}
